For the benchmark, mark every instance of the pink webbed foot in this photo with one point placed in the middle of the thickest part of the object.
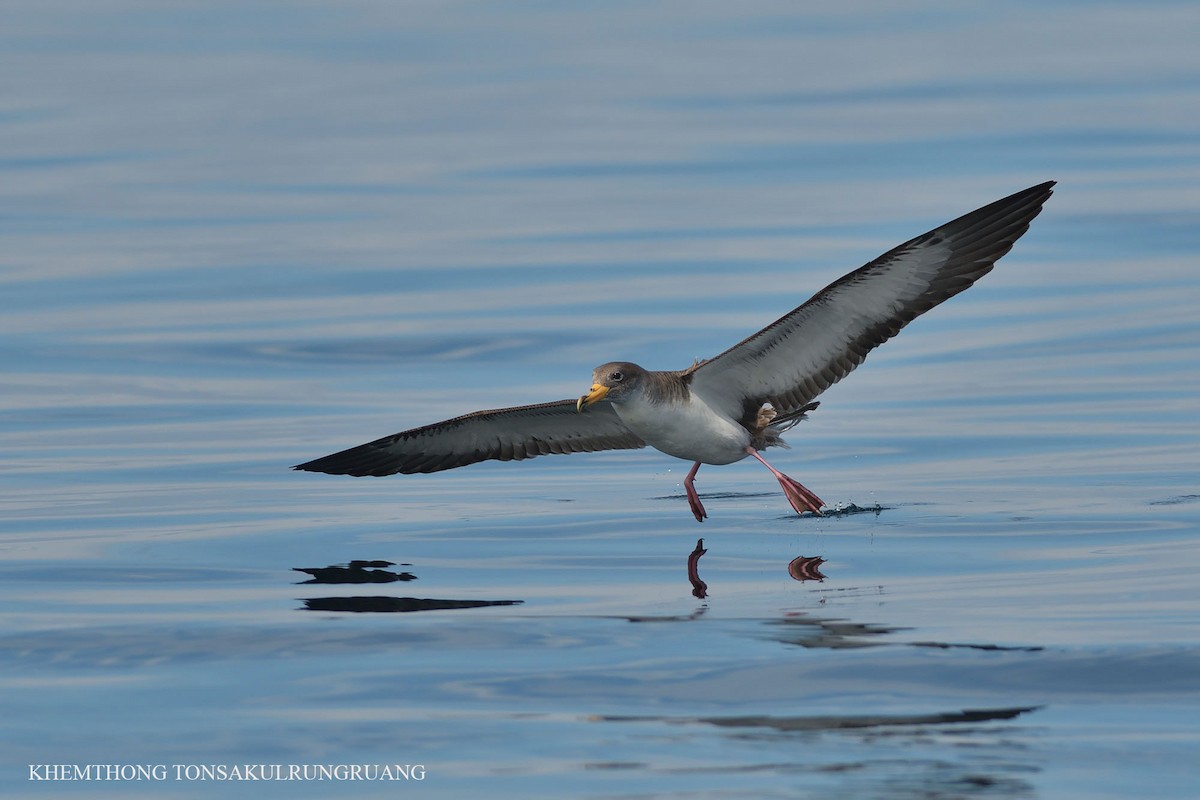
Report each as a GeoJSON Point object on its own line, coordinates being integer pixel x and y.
{"type": "Point", "coordinates": [796, 493]}
{"type": "Point", "coordinates": [799, 496]}
{"type": "Point", "coordinates": [694, 499]}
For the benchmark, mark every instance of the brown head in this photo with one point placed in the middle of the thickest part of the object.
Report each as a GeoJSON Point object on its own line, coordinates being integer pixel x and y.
{"type": "Point", "coordinates": [612, 381]}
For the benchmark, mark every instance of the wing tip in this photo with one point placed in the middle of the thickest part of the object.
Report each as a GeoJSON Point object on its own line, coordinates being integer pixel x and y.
{"type": "Point", "coordinates": [357, 462]}
{"type": "Point", "coordinates": [1040, 192]}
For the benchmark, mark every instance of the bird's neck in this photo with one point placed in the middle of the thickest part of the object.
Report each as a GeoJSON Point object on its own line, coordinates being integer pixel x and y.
{"type": "Point", "coordinates": [665, 387]}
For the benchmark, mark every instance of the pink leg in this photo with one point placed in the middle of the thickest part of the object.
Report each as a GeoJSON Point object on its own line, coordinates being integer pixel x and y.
{"type": "Point", "coordinates": [693, 498]}
{"type": "Point", "coordinates": [801, 498]}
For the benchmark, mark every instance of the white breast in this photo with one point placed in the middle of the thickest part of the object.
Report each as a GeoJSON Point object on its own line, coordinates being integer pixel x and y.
{"type": "Point", "coordinates": [688, 429]}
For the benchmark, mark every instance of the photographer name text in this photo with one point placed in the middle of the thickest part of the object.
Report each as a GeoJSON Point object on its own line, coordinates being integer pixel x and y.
{"type": "Point", "coordinates": [226, 772]}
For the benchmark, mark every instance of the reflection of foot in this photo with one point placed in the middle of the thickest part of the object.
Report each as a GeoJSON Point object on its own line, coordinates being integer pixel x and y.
{"type": "Point", "coordinates": [806, 568]}
{"type": "Point", "coordinates": [699, 587]}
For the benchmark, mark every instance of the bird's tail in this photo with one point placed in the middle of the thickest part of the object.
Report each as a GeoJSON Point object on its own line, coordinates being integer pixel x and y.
{"type": "Point", "coordinates": [773, 425]}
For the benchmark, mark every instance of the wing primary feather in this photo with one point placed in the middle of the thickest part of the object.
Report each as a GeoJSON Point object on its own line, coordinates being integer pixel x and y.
{"type": "Point", "coordinates": [504, 434]}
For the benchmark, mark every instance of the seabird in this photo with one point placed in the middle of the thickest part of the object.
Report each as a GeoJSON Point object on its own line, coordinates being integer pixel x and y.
{"type": "Point", "coordinates": [729, 407]}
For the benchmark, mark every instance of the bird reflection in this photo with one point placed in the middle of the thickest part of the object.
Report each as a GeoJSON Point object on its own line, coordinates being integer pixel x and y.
{"type": "Point", "coordinates": [378, 572]}
{"type": "Point", "coordinates": [847, 722]}
{"type": "Point", "coordinates": [357, 572]}
{"type": "Point", "coordinates": [396, 604]}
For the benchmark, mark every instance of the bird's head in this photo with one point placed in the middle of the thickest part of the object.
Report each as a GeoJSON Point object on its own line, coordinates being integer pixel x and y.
{"type": "Point", "coordinates": [611, 381]}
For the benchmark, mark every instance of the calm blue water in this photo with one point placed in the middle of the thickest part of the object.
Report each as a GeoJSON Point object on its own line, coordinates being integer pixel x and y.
{"type": "Point", "coordinates": [239, 236]}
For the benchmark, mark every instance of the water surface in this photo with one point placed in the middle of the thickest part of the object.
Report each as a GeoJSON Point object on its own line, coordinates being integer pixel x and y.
{"type": "Point", "coordinates": [237, 237]}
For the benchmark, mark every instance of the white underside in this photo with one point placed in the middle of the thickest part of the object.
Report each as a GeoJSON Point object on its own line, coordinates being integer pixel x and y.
{"type": "Point", "coordinates": [690, 431]}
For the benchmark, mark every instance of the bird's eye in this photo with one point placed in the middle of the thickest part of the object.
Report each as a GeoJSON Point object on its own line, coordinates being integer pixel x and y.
{"type": "Point", "coordinates": [616, 377]}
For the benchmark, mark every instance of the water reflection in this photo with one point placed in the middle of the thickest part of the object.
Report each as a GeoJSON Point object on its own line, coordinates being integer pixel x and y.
{"type": "Point", "coordinates": [803, 630]}
{"type": "Point", "coordinates": [692, 617]}
{"type": "Point", "coordinates": [699, 587]}
{"type": "Point", "coordinates": [801, 568]}
{"type": "Point", "coordinates": [990, 762]}
{"type": "Point", "coordinates": [806, 568]}
{"type": "Point", "coordinates": [840, 722]}
{"type": "Point", "coordinates": [985, 647]}
{"type": "Point", "coordinates": [359, 572]}
{"type": "Point", "coordinates": [396, 604]}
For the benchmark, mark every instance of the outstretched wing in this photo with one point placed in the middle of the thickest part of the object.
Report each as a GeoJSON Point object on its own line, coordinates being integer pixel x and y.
{"type": "Point", "coordinates": [794, 359]}
{"type": "Point", "coordinates": [505, 434]}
